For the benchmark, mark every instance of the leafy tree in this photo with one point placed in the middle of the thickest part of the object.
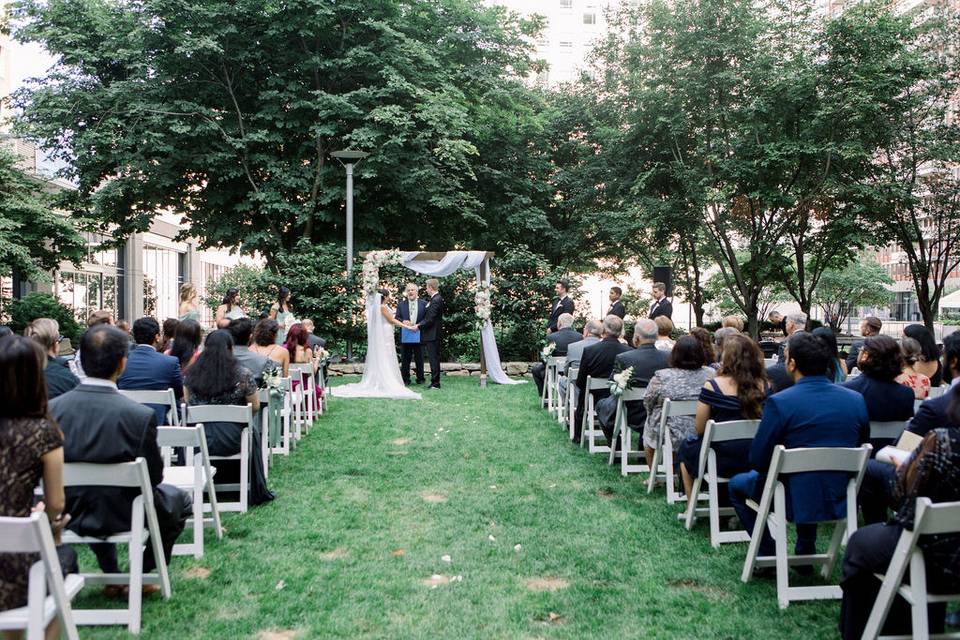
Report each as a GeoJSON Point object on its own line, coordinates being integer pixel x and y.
{"type": "Point", "coordinates": [859, 284]}
{"type": "Point", "coordinates": [725, 304]}
{"type": "Point", "coordinates": [43, 305]}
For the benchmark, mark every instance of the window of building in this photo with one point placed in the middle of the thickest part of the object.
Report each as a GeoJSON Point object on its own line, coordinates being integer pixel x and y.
{"type": "Point", "coordinates": [162, 276]}
{"type": "Point", "coordinates": [566, 4]}
{"type": "Point", "coordinates": [88, 291]}
{"type": "Point", "coordinates": [566, 44]}
{"type": "Point", "coordinates": [589, 18]}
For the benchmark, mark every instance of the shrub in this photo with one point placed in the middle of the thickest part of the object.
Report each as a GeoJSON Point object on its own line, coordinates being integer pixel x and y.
{"type": "Point", "coordinates": [43, 305]}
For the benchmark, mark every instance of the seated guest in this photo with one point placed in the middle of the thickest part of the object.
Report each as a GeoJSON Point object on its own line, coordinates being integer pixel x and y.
{"type": "Point", "coordinates": [838, 368]}
{"type": "Point", "coordinates": [880, 362]}
{"type": "Point", "coordinates": [686, 375]}
{"type": "Point", "coordinates": [778, 375]}
{"type": "Point", "coordinates": [101, 426]}
{"type": "Point", "coordinates": [296, 345]}
{"type": "Point", "coordinates": [149, 370]}
{"type": "Point", "coordinates": [240, 330]}
{"type": "Point", "coordinates": [737, 393]}
{"type": "Point", "coordinates": [934, 413]}
{"type": "Point", "coordinates": [103, 316]}
{"type": "Point", "coordinates": [217, 378]}
{"type": "Point", "coordinates": [869, 327]}
{"type": "Point", "coordinates": [186, 343]}
{"type": "Point", "coordinates": [793, 323]}
{"type": "Point", "coordinates": [597, 362]}
{"type": "Point", "coordinates": [933, 471]}
{"type": "Point", "coordinates": [265, 344]}
{"type": "Point", "coordinates": [169, 331]}
{"type": "Point", "coordinates": [732, 322]}
{"type": "Point", "coordinates": [313, 341]}
{"type": "Point", "coordinates": [646, 360]}
{"type": "Point", "coordinates": [46, 332]}
{"type": "Point", "coordinates": [31, 448]}
{"type": "Point", "coordinates": [929, 362]}
{"type": "Point", "coordinates": [910, 377]}
{"type": "Point", "coordinates": [562, 338]}
{"type": "Point", "coordinates": [719, 336]}
{"type": "Point", "coordinates": [706, 343]}
{"type": "Point", "coordinates": [592, 331]}
{"type": "Point", "coordinates": [664, 330]}
{"type": "Point", "coordinates": [812, 413]}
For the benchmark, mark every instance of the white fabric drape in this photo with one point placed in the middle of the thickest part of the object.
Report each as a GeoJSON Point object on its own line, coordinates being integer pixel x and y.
{"type": "Point", "coordinates": [452, 262]}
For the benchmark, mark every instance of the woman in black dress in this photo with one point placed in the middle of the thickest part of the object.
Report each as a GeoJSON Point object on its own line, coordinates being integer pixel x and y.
{"type": "Point", "coordinates": [217, 378]}
{"type": "Point", "coordinates": [737, 393]}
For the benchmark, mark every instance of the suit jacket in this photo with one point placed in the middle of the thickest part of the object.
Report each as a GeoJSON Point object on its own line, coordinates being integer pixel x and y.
{"type": "Point", "coordinates": [596, 362]}
{"type": "Point", "coordinates": [257, 363]}
{"type": "Point", "coordinates": [101, 426]}
{"type": "Point", "coordinates": [853, 354]}
{"type": "Point", "coordinates": [315, 341]}
{"type": "Point", "coordinates": [886, 401]}
{"type": "Point", "coordinates": [560, 307]}
{"type": "Point", "coordinates": [932, 414]}
{"type": "Point", "coordinates": [59, 378]}
{"type": "Point", "coordinates": [575, 352]}
{"type": "Point", "coordinates": [646, 360]}
{"type": "Point", "coordinates": [812, 413]}
{"type": "Point", "coordinates": [779, 378]}
{"type": "Point", "coordinates": [617, 309]}
{"type": "Point", "coordinates": [563, 339]}
{"type": "Point", "coordinates": [663, 308]}
{"type": "Point", "coordinates": [403, 310]}
{"type": "Point", "coordinates": [147, 369]}
{"type": "Point", "coordinates": [431, 323]}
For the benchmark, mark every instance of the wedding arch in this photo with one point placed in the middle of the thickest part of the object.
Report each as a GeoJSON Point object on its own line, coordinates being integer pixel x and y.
{"type": "Point", "coordinates": [439, 265]}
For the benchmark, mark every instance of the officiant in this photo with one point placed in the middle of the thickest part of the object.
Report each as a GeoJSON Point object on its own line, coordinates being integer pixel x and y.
{"type": "Point", "coordinates": [411, 309]}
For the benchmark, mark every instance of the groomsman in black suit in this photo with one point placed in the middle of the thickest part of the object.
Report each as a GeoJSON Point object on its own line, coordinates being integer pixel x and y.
{"type": "Point", "coordinates": [411, 310]}
{"type": "Point", "coordinates": [616, 307]}
{"type": "Point", "coordinates": [563, 304]}
{"type": "Point", "coordinates": [431, 329]}
{"type": "Point", "coordinates": [661, 306]}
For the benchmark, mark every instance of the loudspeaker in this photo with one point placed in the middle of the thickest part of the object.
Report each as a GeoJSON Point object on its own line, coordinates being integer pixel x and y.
{"type": "Point", "coordinates": [664, 275]}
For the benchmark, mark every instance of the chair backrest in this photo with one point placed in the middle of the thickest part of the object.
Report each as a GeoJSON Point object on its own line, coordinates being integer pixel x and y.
{"type": "Point", "coordinates": [887, 429]}
{"type": "Point", "coordinates": [673, 408]}
{"type": "Point", "coordinates": [852, 460]}
{"type": "Point", "coordinates": [263, 395]}
{"type": "Point", "coordinates": [596, 384]}
{"type": "Point", "coordinates": [769, 362]}
{"type": "Point", "coordinates": [180, 436]}
{"type": "Point", "coordinates": [931, 519]}
{"type": "Point", "coordinates": [240, 414]}
{"type": "Point", "coordinates": [23, 535]}
{"type": "Point", "coordinates": [154, 397]}
{"type": "Point", "coordinates": [936, 392]}
{"type": "Point", "coordinates": [731, 430]}
{"type": "Point", "coordinates": [556, 361]}
{"type": "Point", "coordinates": [634, 394]}
{"type": "Point", "coordinates": [118, 474]}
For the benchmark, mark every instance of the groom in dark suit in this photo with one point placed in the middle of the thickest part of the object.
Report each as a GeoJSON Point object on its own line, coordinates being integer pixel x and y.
{"type": "Point", "coordinates": [431, 329]}
{"type": "Point", "coordinates": [411, 310]}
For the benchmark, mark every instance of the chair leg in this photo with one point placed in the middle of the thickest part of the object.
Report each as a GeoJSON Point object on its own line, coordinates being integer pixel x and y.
{"type": "Point", "coordinates": [918, 588]}
{"type": "Point", "coordinates": [136, 549]}
{"type": "Point", "coordinates": [834, 549]}
{"type": "Point", "coordinates": [197, 521]}
{"type": "Point", "coordinates": [655, 464]}
{"type": "Point", "coordinates": [777, 524]}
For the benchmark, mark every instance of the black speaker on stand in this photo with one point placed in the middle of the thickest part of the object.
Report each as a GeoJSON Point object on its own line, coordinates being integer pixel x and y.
{"type": "Point", "coordinates": [664, 275]}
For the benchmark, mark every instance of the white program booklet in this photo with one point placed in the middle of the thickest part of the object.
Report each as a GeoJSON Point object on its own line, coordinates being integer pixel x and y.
{"type": "Point", "coordinates": [897, 454]}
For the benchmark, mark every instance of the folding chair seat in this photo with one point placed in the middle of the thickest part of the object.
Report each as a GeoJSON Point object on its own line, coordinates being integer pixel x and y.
{"type": "Point", "coordinates": [309, 389]}
{"type": "Point", "coordinates": [33, 535]}
{"type": "Point", "coordinates": [662, 467]}
{"type": "Point", "coordinates": [589, 433]}
{"type": "Point", "coordinates": [571, 401]}
{"type": "Point", "coordinates": [237, 414]}
{"type": "Point", "coordinates": [165, 397]}
{"type": "Point", "coordinates": [707, 472]}
{"type": "Point", "coordinates": [144, 529]}
{"type": "Point", "coordinates": [772, 511]}
{"type": "Point", "coordinates": [196, 477]}
{"type": "Point", "coordinates": [623, 433]}
{"type": "Point", "coordinates": [930, 519]}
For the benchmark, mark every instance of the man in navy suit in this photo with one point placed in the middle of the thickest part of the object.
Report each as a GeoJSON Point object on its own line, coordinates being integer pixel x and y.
{"type": "Point", "coordinates": [148, 369]}
{"type": "Point", "coordinates": [411, 310]}
{"type": "Point", "coordinates": [812, 413]}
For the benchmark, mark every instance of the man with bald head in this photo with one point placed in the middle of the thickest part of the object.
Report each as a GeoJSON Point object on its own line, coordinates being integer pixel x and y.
{"type": "Point", "coordinates": [646, 360]}
{"type": "Point", "coordinates": [597, 362]}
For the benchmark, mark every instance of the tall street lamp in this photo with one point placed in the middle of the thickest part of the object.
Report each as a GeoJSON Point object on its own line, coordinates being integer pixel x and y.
{"type": "Point", "coordinates": [348, 158]}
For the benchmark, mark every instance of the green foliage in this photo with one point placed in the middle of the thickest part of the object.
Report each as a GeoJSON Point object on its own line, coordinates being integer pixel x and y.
{"type": "Point", "coordinates": [257, 289]}
{"type": "Point", "coordinates": [859, 284]}
{"type": "Point", "coordinates": [43, 305]}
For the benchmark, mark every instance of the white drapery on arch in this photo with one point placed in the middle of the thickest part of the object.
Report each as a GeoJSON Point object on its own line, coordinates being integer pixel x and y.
{"type": "Point", "coordinates": [478, 261]}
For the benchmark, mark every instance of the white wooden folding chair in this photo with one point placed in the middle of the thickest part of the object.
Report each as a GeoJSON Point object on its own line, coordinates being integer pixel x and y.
{"type": "Point", "coordinates": [571, 400]}
{"type": "Point", "coordinates": [308, 386]}
{"type": "Point", "coordinates": [623, 433]}
{"type": "Point", "coordinates": [553, 380]}
{"type": "Point", "coordinates": [266, 452]}
{"type": "Point", "coordinates": [663, 456]}
{"type": "Point", "coordinates": [936, 392]}
{"type": "Point", "coordinates": [240, 415]}
{"type": "Point", "coordinates": [196, 476]}
{"type": "Point", "coordinates": [144, 529]}
{"type": "Point", "coordinates": [772, 512]}
{"type": "Point", "coordinates": [561, 398]}
{"type": "Point", "coordinates": [297, 408]}
{"type": "Point", "coordinates": [888, 430]}
{"type": "Point", "coordinates": [32, 535]}
{"type": "Point", "coordinates": [323, 383]}
{"type": "Point", "coordinates": [930, 519]}
{"type": "Point", "coordinates": [165, 397]}
{"type": "Point", "coordinates": [707, 472]}
{"type": "Point", "coordinates": [589, 433]}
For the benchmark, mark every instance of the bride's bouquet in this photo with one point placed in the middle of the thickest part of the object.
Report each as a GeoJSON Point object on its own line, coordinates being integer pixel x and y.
{"type": "Point", "coordinates": [621, 382]}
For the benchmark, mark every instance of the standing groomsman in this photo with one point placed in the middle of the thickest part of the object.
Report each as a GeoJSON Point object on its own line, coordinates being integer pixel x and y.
{"type": "Point", "coordinates": [562, 305]}
{"type": "Point", "coordinates": [616, 307]}
{"type": "Point", "coordinates": [661, 306]}
{"type": "Point", "coordinates": [411, 310]}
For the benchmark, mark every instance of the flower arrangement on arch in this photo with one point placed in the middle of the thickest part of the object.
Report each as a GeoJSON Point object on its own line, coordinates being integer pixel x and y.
{"type": "Point", "coordinates": [621, 382]}
{"type": "Point", "coordinates": [371, 268]}
{"type": "Point", "coordinates": [483, 304]}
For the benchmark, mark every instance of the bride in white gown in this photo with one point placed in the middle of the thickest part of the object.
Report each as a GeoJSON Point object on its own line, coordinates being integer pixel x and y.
{"type": "Point", "coordinates": [381, 372]}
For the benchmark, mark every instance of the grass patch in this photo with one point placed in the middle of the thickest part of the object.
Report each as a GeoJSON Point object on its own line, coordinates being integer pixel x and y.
{"type": "Point", "coordinates": [357, 539]}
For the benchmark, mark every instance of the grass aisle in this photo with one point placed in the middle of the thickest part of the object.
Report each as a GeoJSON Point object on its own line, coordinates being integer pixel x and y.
{"type": "Point", "coordinates": [384, 496]}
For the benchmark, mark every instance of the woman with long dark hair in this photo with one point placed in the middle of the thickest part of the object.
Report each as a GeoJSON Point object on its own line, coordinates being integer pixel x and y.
{"type": "Point", "coordinates": [186, 343]}
{"type": "Point", "coordinates": [929, 362]}
{"type": "Point", "coordinates": [881, 363]}
{"type": "Point", "coordinates": [838, 368]}
{"type": "Point", "coordinates": [737, 393]}
{"type": "Point", "coordinates": [265, 344]}
{"type": "Point", "coordinates": [217, 378]}
{"type": "Point", "coordinates": [282, 312]}
{"type": "Point", "coordinates": [229, 309]}
{"type": "Point", "coordinates": [706, 343]}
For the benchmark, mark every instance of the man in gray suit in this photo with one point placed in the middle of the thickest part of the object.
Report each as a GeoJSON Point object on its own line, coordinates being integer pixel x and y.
{"type": "Point", "coordinates": [591, 335]}
{"type": "Point", "coordinates": [241, 329]}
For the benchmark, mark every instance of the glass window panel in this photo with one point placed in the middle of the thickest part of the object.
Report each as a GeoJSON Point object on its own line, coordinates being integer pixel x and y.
{"type": "Point", "coordinates": [94, 290]}
{"type": "Point", "coordinates": [110, 295]}
{"type": "Point", "coordinates": [80, 295]}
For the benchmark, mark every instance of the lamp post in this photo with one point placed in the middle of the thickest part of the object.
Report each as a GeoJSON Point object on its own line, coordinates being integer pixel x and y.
{"type": "Point", "coordinates": [348, 158]}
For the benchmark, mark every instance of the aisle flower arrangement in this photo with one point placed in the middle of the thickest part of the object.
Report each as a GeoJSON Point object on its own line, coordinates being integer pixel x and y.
{"type": "Point", "coordinates": [548, 350]}
{"type": "Point", "coordinates": [621, 382]}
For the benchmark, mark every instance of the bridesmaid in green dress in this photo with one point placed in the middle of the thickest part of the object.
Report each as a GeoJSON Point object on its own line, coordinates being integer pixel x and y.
{"type": "Point", "coordinates": [188, 302]}
{"type": "Point", "coordinates": [280, 311]}
{"type": "Point", "coordinates": [229, 309]}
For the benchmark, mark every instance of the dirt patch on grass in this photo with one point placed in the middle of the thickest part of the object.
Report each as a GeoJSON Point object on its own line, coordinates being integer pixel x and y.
{"type": "Point", "coordinates": [546, 584]}
{"type": "Point", "coordinates": [398, 553]}
{"type": "Point", "coordinates": [197, 573]}
{"type": "Point", "coordinates": [433, 497]}
{"type": "Point", "coordinates": [713, 593]}
{"type": "Point", "coordinates": [335, 554]}
{"type": "Point", "coordinates": [552, 618]}
{"type": "Point", "coordinates": [275, 634]}
{"type": "Point", "coordinates": [435, 580]}
{"type": "Point", "coordinates": [605, 492]}
{"type": "Point", "coordinates": [399, 442]}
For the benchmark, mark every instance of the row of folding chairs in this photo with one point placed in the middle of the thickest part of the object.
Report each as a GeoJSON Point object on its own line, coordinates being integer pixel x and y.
{"type": "Point", "coordinates": [771, 508]}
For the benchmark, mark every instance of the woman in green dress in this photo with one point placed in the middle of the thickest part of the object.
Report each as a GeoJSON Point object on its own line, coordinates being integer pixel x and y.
{"type": "Point", "coordinates": [229, 309]}
{"type": "Point", "coordinates": [188, 303]}
{"type": "Point", "coordinates": [280, 311]}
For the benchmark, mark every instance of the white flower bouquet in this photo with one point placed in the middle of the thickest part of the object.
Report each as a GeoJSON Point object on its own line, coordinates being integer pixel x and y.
{"type": "Point", "coordinates": [371, 268]}
{"type": "Point", "coordinates": [548, 350]}
{"type": "Point", "coordinates": [621, 382]}
{"type": "Point", "coordinates": [483, 304]}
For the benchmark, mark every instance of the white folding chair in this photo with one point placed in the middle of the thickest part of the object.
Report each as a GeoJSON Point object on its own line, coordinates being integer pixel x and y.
{"type": "Point", "coordinates": [266, 452]}
{"type": "Point", "coordinates": [195, 477]}
{"type": "Point", "coordinates": [144, 529]}
{"type": "Point", "coordinates": [240, 415]}
{"type": "Point", "coordinates": [663, 456]}
{"type": "Point", "coordinates": [287, 415]}
{"type": "Point", "coordinates": [308, 386]}
{"type": "Point", "coordinates": [769, 362]}
{"type": "Point", "coordinates": [930, 519]}
{"type": "Point", "coordinates": [553, 378]}
{"type": "Point", "coordinates": [298, 408]}
{"type": "Point", "coordinates": [571, 401]}
{"type": "Point", "coordinates": [323, 383]}
{"type": "Point", "coordinates": [623, 433]}
{"type": "Point", "coordinates": [707, 472]}
{"type": "Point", "coordinates": [165, 397]}
{"type": "Point", "coordinates": [561, 398]}
{"type": "Point", "coordinates": [772, 512]}
{"type": "Point", "coordinates": [32, 535]}
{"type": "Point", "coordinates": [589, 433]}
{"type": "Point", "coordinates": [936, 392]}
{"type": "Point", "coordinates": [889, 430]}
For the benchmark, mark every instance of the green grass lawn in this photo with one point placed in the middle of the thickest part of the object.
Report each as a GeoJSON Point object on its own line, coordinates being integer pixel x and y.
{"type": "Point", "coordinates": [381, 496]}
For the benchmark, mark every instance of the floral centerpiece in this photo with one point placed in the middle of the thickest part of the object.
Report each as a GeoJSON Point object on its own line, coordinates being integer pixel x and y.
{"type": "Point", "coordinates": [371, 268]}
{"type": "Point", "coordinates": [483, 304]}
{"type": "Point", "coordinates": [272, 377]}
{"type": "Point", "coordinates": [621, 382]}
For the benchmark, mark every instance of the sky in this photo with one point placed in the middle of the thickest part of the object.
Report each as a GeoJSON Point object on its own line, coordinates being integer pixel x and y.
{"type": "Point", "coordinates": [27, 61]}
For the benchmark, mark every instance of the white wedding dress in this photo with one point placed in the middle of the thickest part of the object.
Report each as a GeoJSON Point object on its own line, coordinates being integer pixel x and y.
{"type": "Point", "coordinates": [381, 371]}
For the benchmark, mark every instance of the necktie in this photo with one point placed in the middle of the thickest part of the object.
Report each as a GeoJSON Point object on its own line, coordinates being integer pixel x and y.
{"type": "Point", "coordinates": [412, 306]}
